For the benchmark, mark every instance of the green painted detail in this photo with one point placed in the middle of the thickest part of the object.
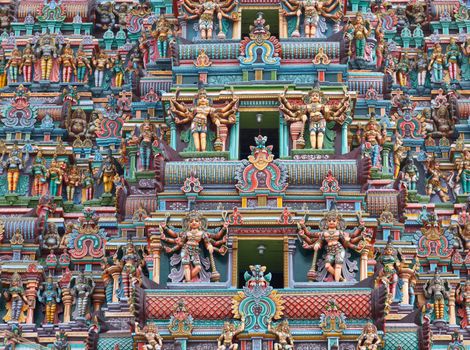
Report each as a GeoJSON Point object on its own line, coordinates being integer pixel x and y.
{"type": "Point", "coordinates": [125, 343]}
{"type": "Point", "coordinates": [209, 154]}
{"type": "Point", "coordinates": [407, 341]}
{"type": "Point", "coordinates": [23, 185]}
{"type": "Point", "coordinates": [312, 151]}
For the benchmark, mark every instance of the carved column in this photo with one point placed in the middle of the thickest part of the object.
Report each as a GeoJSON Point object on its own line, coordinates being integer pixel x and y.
{"type": "Point", "coordinates": [282, 26]}
{"type": "Point", "coordinates": [234, 138]}
{"type": "Point", "coordinates": [115, 272]}
{"type": "Point", "coordinates": [98, 298]}
{"type": "Point", "coordinates": [405, 289]}
{"type": "Point", "coordinates": [132, 154]}
{"type": "Point", "coordinates": [30, 294]}
{"type": "Point", "coordinates": [173, 135]}
{"type": "Point", "coordinates": [344, 136]}
{"type": "Point", "coordinates": [155, 248]}
{"type": "Point", "coordinates": [452, 318]}
{"type": "Point", "coordinates": [67, 300]}
{"type": "Point", "coordinates": [363, 267]}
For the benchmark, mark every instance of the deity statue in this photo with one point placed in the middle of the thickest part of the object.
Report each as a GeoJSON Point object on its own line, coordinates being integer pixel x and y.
{"type": "Point", "coordinates": [433, 181]}
{"type": "Point", "coordinates": [369, 339]}
{"type": "Point", "coordinates": [49, 294]}
{"type": "Point", "coordinates": [463, 172]}
{"type": "Point", "coordinates": [283, 335]}
{"type": "Point", "coordinates": [101, 63]}
{"type": "Point", "coordinates": [82, 64]}
{"type": "Point", "coordinates": [47, 51]}
{"type": "Point", "coordinates": [151, 335]}
{"type": "Point", "coordinates": [67, 59]}
{"type": "Point", "coordinates": [88, 184]}
{"type": "Point", "coordinates": [358, 33]}
{"type": "Point", "coordinates": [14, 64]}
{"type": "Point", "coordinates": [466, 60]}
{"type": "Point", "coordinates": [72, 180]}
{"type": "Point", "coordinates": [76, 124]}
{"type": "Point", "coordinates": [147, 135]}
{"type": "Point", "coordinates": [17, 303]}
{"type": "Point", "coordinates": [436, 63]}
{"type": "Point", "coordinates": [421, 67]}
{"type": "Point", "coordinates": [388, 274]}
{"type": "Point", "coordinates": [106, 18]}
{"type": "Point", "coordinates": [198, 116]}
{"type": "Point", "coordinates": [311, 10]}
{"type": "Point", "coordinates": [56, 174]}
{"type": "Point", "coordinates": [13, 164]}
{"type": "Point", "coordinates": [81, 288]}
{"type": "Point", "coordinates": [316, 110]}
{"type": "Point", "coordinates": [226, 339]}
{"type": "Point", "coordinates": [403, 69]}
{"type": "Point", "coordinates": [13, 337]}
{"type": "Point", "coordinates": [39, 175]}
{"type": "Point", "coordinates": [453, 59]}
{"type": "Point", "coordinates": [399, 154]}
{"type": "Point", "coordinates": [462, 299]}
{"type": "Point", "coordinates": [27, 62]}
{"type": "Point", "coordinates": [118, 70]}
{"type": "Point", "coordinates": [61, 341]}
{"type": "Point", "coordinates": [411, 173]}
{"type": "Point", "coordinates": [438, 291]}
{"type": "Point", "coordinates": [132, 263]}
{"type": "Point", "coordinates": [336, 239]}
{"type": "Point", "coordinates": [162, 31]}
{"type": "Point", "coordinates": [205, 11]}
{"type": "Point", "coordinates": [373, 138]}
{"type": "Point", "coordinates": [188, 240]}
{"type": "Point", "coordinates": [107, 173]}
{"type": "Point", "coordinates": [121, 11]}
{"type": "Point", "coordinates": [416, 12]}
{"type": "Point", "coordinates": [3, 71]}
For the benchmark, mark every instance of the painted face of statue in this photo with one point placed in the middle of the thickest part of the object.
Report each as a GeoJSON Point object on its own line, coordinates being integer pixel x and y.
{"type": "Point", "coordinates": [194, 224]}
{"type": "Point", "coordinates": [332, 223]}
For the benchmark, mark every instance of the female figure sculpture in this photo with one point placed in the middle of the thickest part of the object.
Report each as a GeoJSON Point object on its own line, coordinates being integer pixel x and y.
{"type": "Point", "coordinates": [14, 64]}
{"type": "Point", "coordinates": [81, 288]}
{"type": "Point", "coordinates": [27, 63]}
{"type": "Point", "coordinates": [436, 63]}
{"type": "Point", "coordinates": [39, 175]}
{"type": "Point", "coordinates": [67, 60]}
{"type": "Point", "coordinates": [17, 303]}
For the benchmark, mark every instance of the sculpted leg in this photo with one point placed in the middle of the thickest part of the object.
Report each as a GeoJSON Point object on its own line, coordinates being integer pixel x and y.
{"type": "Point", "coordinates": [313, 139]}
{"type": "Point", "coordinates": [187, 273]}
{"type": "Point", "coordinates": [320, 140]}
{"type": "Point", "coordinates": [203, 142]}
{"type": "Point", "coordinates": [197, 142]}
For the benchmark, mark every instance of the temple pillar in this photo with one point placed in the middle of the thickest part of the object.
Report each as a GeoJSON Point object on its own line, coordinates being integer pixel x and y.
{"type": "Point", "coordinates": [235, 138]}
{"type": "Point", "coordinates": [344, 136]}
{"type": "Point", "coordinates": [173, 135]}
{"type": "Point", "coordinates": [405, 289]}
{"type": "Point", "coordinates": [115, 272]}
{"type": "Point", "coordinates": [363, 266]}
{"type": "Point", "coordinates": [234, 262]}
{"type": "Point", "coordinates": [98, 297]}
{"type": "Point", "coordinates": [283, 34]}
{"type": "Point", "coordinates": [67, 300]}
{"type": "Point", "coordinates": [237, 27]}
{"type": "Point", "coordinates": [132, 154]}
{"type": "Point", "coordinates": [30, 294]}
{"type": "Point", "coordinates": [283, 143]}
{"type": "Point", "coordinates": [155, 248]}
{"type": "Point", "coordinates": [452, 318]}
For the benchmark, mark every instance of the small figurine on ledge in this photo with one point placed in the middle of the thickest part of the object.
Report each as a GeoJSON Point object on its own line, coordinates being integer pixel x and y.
{"type": "Point", "coordinates": [284, 337]}
{"type": "Point", "coordinates": [225, 341]}
{"type": "Point", "coordinates": [151, 335]}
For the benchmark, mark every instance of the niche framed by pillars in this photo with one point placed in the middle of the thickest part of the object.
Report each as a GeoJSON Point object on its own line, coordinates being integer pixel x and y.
{"type": "Point", "coordinates": [253, 124]}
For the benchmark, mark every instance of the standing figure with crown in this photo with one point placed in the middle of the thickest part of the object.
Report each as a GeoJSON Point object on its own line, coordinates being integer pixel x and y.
{"type": "Point", "coordinates": [187, 242]}
{"type": "Point", "coordinates": [198, 116]}
{"type": "Point", "coordinates": [336, 240]}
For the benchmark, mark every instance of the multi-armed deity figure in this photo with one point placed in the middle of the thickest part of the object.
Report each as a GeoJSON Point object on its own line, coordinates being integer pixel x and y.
{"type": "Point", "coordinates": [317, 112]}
{"type": "Point", "coordinates": [198, 117]}
{"type": "Point", "coordinates": [39, 175]}
{"type": "Point", "coordinates": [188, 240]}
{"type": "Point", "coordinates": [131, 262]}
{"type": "Point", "coordinates": [27, 63]}
{"type": "Point", "coordinates": [162, 31]}
{"type": "Point", "coordinates": [230, 331]}
{"type": "Point", "coordinates": [151, 335]}
{"type": "Point", "coordinates": [47, 51]}
{"type": "Point", "coordinates": [81, 288]}
{"type": "Point", "coordinates": [14, 64]}
{"type": "Point", "coordinates": [369, 339]}
{"type": "Point", "coordinates": [311, 11]}
{"type": "Point", "coordinates": [438, 291]}
{"type": "Point", "coordinates": [67, 60]}
{"type": "Point", "coordinates": [49, 294]}
{"type": "Point", "coordinates": [373, 138]}
{"type": "Point", "coordinates": [462, 299]}
{"type": "Point", "coordinates": [283, 335]}
{"type": "Point", "coordinates": [17, 303]}
{"type": "Point", "coordinates": [336, 239]}
{"type": "Point", "coordinates": [205, 11]}
{"type": "Point", "coordinates": [13, 165]}
{"type": "Point", "coordinates": [433, 182]}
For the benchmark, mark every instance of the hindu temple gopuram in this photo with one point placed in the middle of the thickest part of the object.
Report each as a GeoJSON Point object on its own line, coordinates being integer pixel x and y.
{"type": "Point", "coordinates": [235, 175]}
